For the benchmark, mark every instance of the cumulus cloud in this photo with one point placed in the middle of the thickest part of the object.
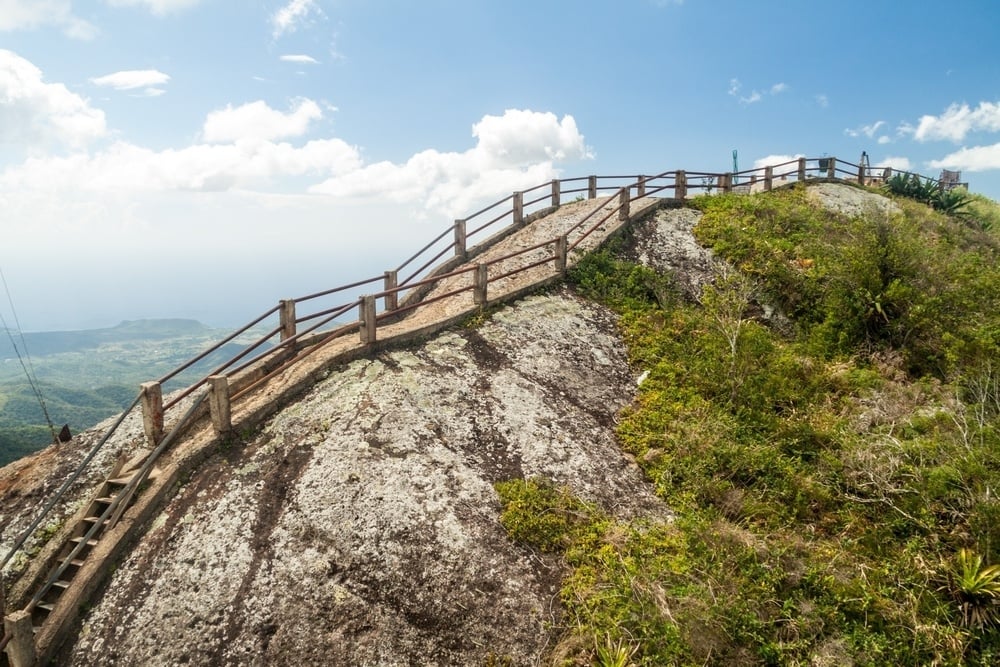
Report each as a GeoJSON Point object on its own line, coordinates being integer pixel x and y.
{"type": "Point", "coordinates": [956, 122]}
{"type": "Point", "coordinates": [299, 58]}
{"type": "Point", "coordinates": [148, 79]}
{"type": "Point", "coordinates": [516, 150]}
{"type": "Point", "coordinates": [289, 18]}
{"type": "Point", "coordinates": [257, 120]}
{"type": "Point", "coordinates": [158, 7]}
{"type": "Point", "coordinates": [31, 14]}
{"type": "Point", "coordinates": [34, 113]}
{"type": "Point", "coordinates": [895, 162]}
{"type": "Point", "coordinates": [779, 88]}
{"type": "Point", "coordinates": [977, 158]}
{"type": "Point", "coordinates": [775, 160]}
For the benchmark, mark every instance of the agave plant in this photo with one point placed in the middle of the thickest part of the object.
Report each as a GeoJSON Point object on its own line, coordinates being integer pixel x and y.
{"type": "Point", "coordinates": [977, 589]}
{"type": "Point", "coordinates": [952, 202]}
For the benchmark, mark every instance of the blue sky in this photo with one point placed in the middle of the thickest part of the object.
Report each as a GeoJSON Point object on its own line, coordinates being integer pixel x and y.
{"type": "Point", "coordinates": [204, 158]}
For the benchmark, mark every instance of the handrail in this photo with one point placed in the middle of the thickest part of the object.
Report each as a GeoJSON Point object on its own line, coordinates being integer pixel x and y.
{"type": "Point", "coordinates": [598, 183]}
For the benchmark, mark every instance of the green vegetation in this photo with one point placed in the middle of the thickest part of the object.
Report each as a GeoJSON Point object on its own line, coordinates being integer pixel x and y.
{"type": "Point", "coordinates": [835, 482]}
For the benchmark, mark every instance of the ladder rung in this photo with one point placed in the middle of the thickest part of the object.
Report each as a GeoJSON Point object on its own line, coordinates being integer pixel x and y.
{"type": "Point", "coordinates": [45, 606]}
{"type": "Point", "coordinates": [76, 562]}
{"type": "Point", "coordinates": [94, 519]}
{"type": "Point", "coordinates": [106, 500]}
{"type": "Point", "coordinates": [59, 583]}
{"type": "Point", "coordinates": [90, 543]}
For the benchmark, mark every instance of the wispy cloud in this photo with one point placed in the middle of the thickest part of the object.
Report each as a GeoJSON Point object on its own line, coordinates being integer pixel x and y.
{"type": "Point", "coordinates": [157, 7]}
{"type": "Point", "coordinates": [31, 14]}
{"type": "Point", "coordinates": [755, 95]}
{"type": "Point", "coordinates": [289, 18]}
{"type": "Point", "coordinates": [822, 100]}
{"type": "Point", "coordinates": [131, 79]}
{"type": "Point", "coordinates": [895, 162]}
{"type": "Point", "coordinates": [866, 130]}
{"type": "Point", "coordinates": [298, 58]}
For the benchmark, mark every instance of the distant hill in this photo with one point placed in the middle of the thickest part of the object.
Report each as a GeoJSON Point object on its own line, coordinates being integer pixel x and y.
{"type": "Point", "coordinates": [87, 376]}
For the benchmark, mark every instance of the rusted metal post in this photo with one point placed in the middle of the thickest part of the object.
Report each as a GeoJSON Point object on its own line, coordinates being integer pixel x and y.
{"type": "Point", "coordinates": [592, 187]}
{"type": "Point", "coordinates": [286, 315]}
{"type": "Point", "coordinates": [556, 191]}
{"type": "Point", "coordinates": [680, 184]}
{"type": "Point", "coordinates": [802, 169]}
{"type": "Point", "coordinates": [368, 323]}
{"type": "Point", "coordinates": [831, 169]}
{"type": "Point", "coordinates": [480, 279]}
{"type": "Point", "coordinates": [623, 200]}
{"type": "Point", "coordinates": [640, 191]}
{"type": "Point", "coordinates": [219, 405]}
{"type": "Point", "coordinates": [768, 177]}
{"type": "Point", "coordinates": [460, 238]}
{"type": "Point", "coordinates": [518, 209]}
{"type": "Point", "coordinates": [391, 282]}
{"type": "Point", "coordinates": [562, 248]}
{"type": "Point", "coordinates": [152, 412]}
{"type": "Point", "coordinates": [21, 648]}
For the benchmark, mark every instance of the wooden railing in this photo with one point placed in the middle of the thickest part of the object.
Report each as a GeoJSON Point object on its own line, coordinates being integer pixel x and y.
{"type": "Point", "coordinates": [291, 335]}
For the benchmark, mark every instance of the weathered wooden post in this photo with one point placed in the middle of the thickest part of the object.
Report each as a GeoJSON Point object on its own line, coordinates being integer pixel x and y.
{"type": "Point", "coordinates": [562, 250]}
{"type": "Point", "coordinates": [768, 177]}
{"type": "Point", "coordinates": [640, 191]}
{"type": "Point", "coordinates": [152, 412]}
{"type": "Point", "coordinates": [861, 173]}
{"type": "Point", "coordinates": [831, 167]}
{"type": "Point", "coordinates": [518, 209]}
{"type": "Point", "coordinates": [680, 184]}
{"type": "Point", "coordinates": [802, 169]}
{"type": "Point", "coordinates": [480, 279]}
{"type": "Point", "coordinates": [21, 648]}
{"type": "Point", "coordinates": [592, 187]}
{"type": "Point", "coordinates": [556, 191]}
{"type": "Point", "coordinates": [389, 284]}
{"type": "Point", "coordinates": [219, 404]}
{"type": "Point", "coordinates": [286, 316]}
{"type": "Point", "coordinates": [887, 174]}
{"type": "Point", "coordinates": [368, 323]}
{"type": "Point", "coordinates": [727, 182]}
{"type": "Point", "coordinates": [623, 201]}
{"type": "Point", "coordinates": [460, 238]}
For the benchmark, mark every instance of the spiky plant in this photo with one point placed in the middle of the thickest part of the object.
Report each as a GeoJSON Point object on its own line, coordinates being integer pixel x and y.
{"type": "Point", "coordinates": [977, 589]}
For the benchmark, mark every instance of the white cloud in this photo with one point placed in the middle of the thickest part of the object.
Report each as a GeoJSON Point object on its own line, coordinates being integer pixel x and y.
{"type": "Point", "coordinates": [895, 162]}
{"type": "Point", "coordinates": [513, 151]}
{"type": "Point", "coordinates": [291, 16]}
{"type": "Point", "coordinates": [131, 79]}
{"type": "Point", "coordinates": [299, 58]}
{"type": "Point", "coordinates": [956, 122]}
{"type": "Point", "coordinates": [822, 100]}
{"type": "Point", "coordinates": [977, 158]}
{"type": "Point", "coordinates": [884, 139]}
{"type": "Point", "coordinates": [755, 95]}
{"type": "Point", "coordinates": [31, 14]}
{"type": "Point", "coordinates": [158, 7]}
{"type": "Point", "coordinates": [866, 130]}
{"type": "Point", "coordinates": [257, 120]}
{"type": "Point", "coordinates": [775, 160]}
{"type": "Point", "coordinates": [34, 113]}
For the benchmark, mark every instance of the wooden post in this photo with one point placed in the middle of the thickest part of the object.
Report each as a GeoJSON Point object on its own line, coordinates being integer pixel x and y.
{"type": "Point", "coordinates": [831, 169]}
{"type": "Point", "coordinates": [562, 244]}
{"type": "Point", "coordinates": [286, 315]}
{"type": "Point", "coordinates": [623, 208]}
{"type": "Point", "coordinates": [460, 238]}
{"type": "Point", "coordinates": [391, 283]}
{"type": "Point", "coordinates": [768, 177]}
{"type": "Point", "coordinates": [680, 185]}
{"type": "Point", "coordinates": [556, 185]}
{"type": "Point", "coordinates": [727, 182]}
{"type": "Point", "coordinates": [21, 648]}
{"type": "Point", "coordinates": [861, 174]}
{"type": "Point", "coordinates": [480, 279]}
{"type": "Point", "coordinates": [152, 412]}
{"type": "Point", "coordinates": [518, 209]}
{"type": "Point", "coordinates": [368, 323]}
{"type": "Point", "coordinates": [219, 405]}
{"type": "Point", "coordinates": [592, 187]}
{"type": "Point", "coordinates": [802, 169]}
{"type": "Point", "coordinates": [641, 190]}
